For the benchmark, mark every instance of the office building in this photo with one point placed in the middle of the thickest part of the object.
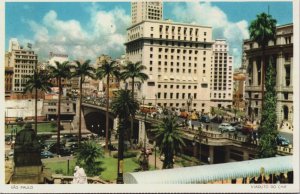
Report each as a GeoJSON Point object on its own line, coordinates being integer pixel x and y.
{"type": "Point", "coordinates": [280, 55]}
{"type": "Point", "coordinates": [221, 75]}
{"type": "Point", "coordinates": [178, 60]}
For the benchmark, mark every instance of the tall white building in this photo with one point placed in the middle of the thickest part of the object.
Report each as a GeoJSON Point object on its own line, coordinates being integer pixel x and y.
{"type": "Point", "coordinates": [178, 60]}
{"type": "Point", "coordinates": [23, 61]}
{"type": "Point", "coordinates": [221, 75]}
{"type": "Point", "coordinates": [146, 10]}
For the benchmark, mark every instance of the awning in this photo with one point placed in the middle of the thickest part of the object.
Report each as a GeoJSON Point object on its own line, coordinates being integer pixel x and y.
{"type": "Point", "coordinates": [213, 172]}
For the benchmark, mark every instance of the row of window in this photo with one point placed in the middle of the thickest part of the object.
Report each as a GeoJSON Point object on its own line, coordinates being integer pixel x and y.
{"type": "Point", "coordinates": [179, 29]}
{"type": "Point", "coordinates": [178, 70]}
{"type": "Point", "coordinates": [220, 95]}
{"type": "Point", "coordinates": [172, 43]}
{"type": "Point", "coordinates": [166, 63]}
{"type": "Point", "coordinates": [177, 95]}
{"type": "Point", "coordinates": [177, 105]}
{"type": "Point", "coordinates": [178, 51]}
{"type": "Point", "coordinates": [177, 86]}
{"type": "Point", "coordinates": [178, 57]}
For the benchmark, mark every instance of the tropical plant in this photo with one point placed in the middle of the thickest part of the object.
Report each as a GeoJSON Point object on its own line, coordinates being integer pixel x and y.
{"type": "Point", "coordinates": [133, 71]}
{"type": "Point", "coordinates": [107, 69]}
{"type": "Point", "coordinates": [39, 81]}
{"type": "Point", "coordinates": [82, 70]}
{"type": "Point", "coordinates": [123, 106]}
{"type": "Point", "coordinates": [268, 129]}
{"type": "Point", "coordinates": [262, 30]}
{"type": "Point", "coordinates": [59, 71]}
{"type": "Point", "coordinates": [169, 139]}
{"type": "Point", "coordinates": [88, 156]}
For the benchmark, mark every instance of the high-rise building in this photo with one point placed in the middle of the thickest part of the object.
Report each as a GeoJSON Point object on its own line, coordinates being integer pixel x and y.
{"type": "Point", "coordinates": [146, 10]}
{"type": "Point", "coordinates": [221, 78]}
{"type": "Point", "coordinates": [178, 60]}
{"type": "Point", "coordinates": [23, 61]}
{"type": "Point", "coordinates": [280, 55]}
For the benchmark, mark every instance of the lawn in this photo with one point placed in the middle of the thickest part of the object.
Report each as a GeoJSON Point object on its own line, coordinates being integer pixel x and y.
{"type": "Point", "coordinates": [61, 167]}
{"type": "Point", "coordinates": [42, 127]}
{"type": "Point", "coordinates": [109, 164]}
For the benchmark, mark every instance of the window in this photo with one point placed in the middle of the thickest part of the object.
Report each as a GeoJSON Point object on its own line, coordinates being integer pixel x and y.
{"type": "Point", "coordinates": [151, 28]}
{"type": "Point", "coordinates": [165, 86]}
{"type": "Point", "coordinates": [177, 86]}
{"type": "Point", "coordinates": [165, 95]}
{"type": "Point", "coordinates": [151, 48]}
{"type": "Point", "coordinates": [151, 55]}
{"type": "Point", "coordinates": [159, 86]}
{"type": "Point", "coordinates": [158, 95]}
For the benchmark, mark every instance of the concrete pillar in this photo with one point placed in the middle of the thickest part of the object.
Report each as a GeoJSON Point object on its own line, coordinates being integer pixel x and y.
{"type": "Point", "coordinates": [227, 154]}
{"type": "Point", "coordinates": [245, 155]}
{"type": "Point", "coordinates": [291, 74]}
{"type": "Point", "coordinates": [211, 155]}
{"type": "Point", "coordinates": [116, 124]}
{"type": "Point", "coordinates": [254, 69]}
{"type": "Point", "coordinates": [76, 117]}
{"type": "Point", "coordinates": [279, 69]}
{"type": "Point", "coordinates": [142, 133]}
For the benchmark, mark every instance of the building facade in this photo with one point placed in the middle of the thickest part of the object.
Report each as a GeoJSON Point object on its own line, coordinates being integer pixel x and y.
{"type": "Point", "coordinates": [239, 80]}
{"type": "Point", "coordinates": [221, 79]}
{"type": "Point", "coordinates": [178, 60]}
{"type": "Point", "coordinates": [146, 10]}
{"type": "Point", "coordinates": [280, 55]}
{"type": "Point", "coordinates": [23, 61]}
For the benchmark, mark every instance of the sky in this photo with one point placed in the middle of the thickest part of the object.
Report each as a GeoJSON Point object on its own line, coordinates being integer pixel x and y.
{"type": "Point", "coordinates": [85, 30]}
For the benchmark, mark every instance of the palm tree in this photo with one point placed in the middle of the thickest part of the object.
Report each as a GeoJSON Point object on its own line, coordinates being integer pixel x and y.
{"type": "Point", "coordinates": [37, 81]}
{"type": "Point", "coordinates": [262, 30]}
{"type": "Point", "coordinates": [107, 69]}
{"type": "Point", "coordinates": [134, 71]}
{"type": "Point", "coordinates": [88, 156]}
{"type": "Point", "coordinates": [123, 106]}
{"type": "Point", "coordinates": [60, 71]}
{"type": "Point", "coordinates": [82, 70]}
{"type": "Point", "coordinates": [169, 138]}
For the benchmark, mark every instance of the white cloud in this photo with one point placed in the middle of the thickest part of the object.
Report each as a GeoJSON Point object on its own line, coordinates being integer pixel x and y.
{"type": "Point", "coordinates": [209, 15]}
{"type": "Point", "coordinates": [104, 33]}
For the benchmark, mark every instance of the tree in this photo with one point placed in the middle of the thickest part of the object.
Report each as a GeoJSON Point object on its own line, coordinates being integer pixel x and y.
{"type": "Point", "coordinates": [268, 129]}
{"type": "Point", "coordinates": [59, 71]}
{"type": "Point", "coordinates": [107, 69]}
{"type": "Point", "coordinates": [134, 71]}
{"type": "Point", "coordinates": [82, 70]}
{"type": "Point", "coordinates": [38, 82]}
{"type": "Point", "coordinates": [262, 30]}
{"type": "Point", "coordinates": [123, 106]}
{"type": "Point", "coordinates": [169, 139]}
{"type": "Point", "coordinates": [88, 156]}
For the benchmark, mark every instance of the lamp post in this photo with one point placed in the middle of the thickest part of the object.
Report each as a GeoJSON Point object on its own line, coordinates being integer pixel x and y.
{"type": "Point", "coordinates": [145, 158]}
{"type": "Point", "coordinates": [154, 154]}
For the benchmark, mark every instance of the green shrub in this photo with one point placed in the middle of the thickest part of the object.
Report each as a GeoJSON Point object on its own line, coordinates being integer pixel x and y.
{"type": "Point", "coordinates": [126, 155]}
{"type": "Point", "coordinates": [59, 171]}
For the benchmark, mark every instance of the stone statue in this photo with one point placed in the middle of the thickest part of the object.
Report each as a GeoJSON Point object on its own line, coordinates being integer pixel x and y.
{"type": "Point", "coordinates": [27, 149]}
{"type": "Point", "coordinates": [79, 176]}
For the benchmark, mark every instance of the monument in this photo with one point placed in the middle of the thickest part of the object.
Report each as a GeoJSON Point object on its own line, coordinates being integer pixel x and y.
{"type": "Point", "coordinates": [79, 176]}
{"type": "Point", "coordinates": [27, 160]}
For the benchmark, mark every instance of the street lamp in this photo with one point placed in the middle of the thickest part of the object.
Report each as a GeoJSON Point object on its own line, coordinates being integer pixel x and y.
{"type": "Point", "coordinates": [198, 137]}
{"type": "Point", "coordinates": [145, 158]}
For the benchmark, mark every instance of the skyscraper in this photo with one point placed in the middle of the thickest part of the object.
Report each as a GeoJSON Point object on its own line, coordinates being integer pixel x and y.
{"type": "Point", "coordinates": [146, 10]}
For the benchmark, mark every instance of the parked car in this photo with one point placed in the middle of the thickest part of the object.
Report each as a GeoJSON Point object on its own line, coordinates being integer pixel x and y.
{"type": "Point", "coordinates": [216, 119]}
{"type": "Point", "coordinates": [46, 154]}
{"type": "Point", "coordinates": [281, 141]}
{"type": "Point", "coordinates": [238, 127]}
{"type": "Point", "coordinates": [223, 127]}
{"type": "Point", "coordinates": [204, 119]}
{"type": "Point", "coordinates": [249, 128]}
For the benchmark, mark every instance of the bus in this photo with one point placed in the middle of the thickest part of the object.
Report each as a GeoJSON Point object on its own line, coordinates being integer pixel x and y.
{"type": "Point", "coordinates": [148, 109]}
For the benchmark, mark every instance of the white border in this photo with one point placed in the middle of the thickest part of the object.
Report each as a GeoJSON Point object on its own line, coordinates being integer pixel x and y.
{"type": "Point", "coordinates": [212, 188]}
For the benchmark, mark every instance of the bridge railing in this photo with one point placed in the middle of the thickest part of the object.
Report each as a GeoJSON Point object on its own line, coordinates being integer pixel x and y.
{"type": "Point", "coordinates": [61, 179]}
